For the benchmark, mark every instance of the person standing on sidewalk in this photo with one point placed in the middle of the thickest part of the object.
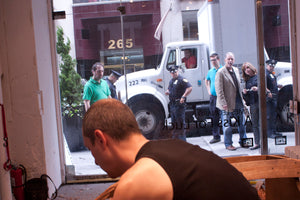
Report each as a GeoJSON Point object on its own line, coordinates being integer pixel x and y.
{"type": "Point", "coordinates": [230, 101]}
{"type": "Point", "coordinates": [179, 88]}
{"type": "Point", "coordinates": [250, 95]}
{"type": "Point", "coordinates": [272, 93]}
{"type": "Point", "coordinates": [96, 88]}
{"type": "Point", "coordinates": [113, 77]}
{"type": "Point", "coordinates": [210, 86]}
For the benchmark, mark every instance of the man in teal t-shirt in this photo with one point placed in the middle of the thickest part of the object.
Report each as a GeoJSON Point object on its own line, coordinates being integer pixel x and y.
{"type": "Point", "coordinates": [210, 86]}
{"type": "Point", "coordinates": [96, 88]}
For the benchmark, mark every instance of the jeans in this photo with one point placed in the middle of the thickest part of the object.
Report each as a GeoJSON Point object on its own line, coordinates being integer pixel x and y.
{"type": "Point", "coordinates": [215, 115]}
{"type": "Point", "coordinates": [254, 111]}
{"type": "Point", "coordinates": [177, 111]}
{"type": "Point", "coordinates": [227, 124]}
{"type": "Point", "coordinates": [271, 116]}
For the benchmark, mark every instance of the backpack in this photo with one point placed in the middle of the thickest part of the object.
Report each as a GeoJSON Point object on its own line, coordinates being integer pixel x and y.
{"type": "Point", "coordinates": [37, 188]}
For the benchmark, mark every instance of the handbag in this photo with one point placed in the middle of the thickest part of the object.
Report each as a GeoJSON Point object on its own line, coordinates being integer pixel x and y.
{"type": "Point", "coordinates": [37, 188]}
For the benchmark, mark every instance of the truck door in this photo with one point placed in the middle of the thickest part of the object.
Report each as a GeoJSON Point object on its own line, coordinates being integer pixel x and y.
{"type": "Point", "coordinates": [171, 60]}
{"type": "Point", "coordinates": [194, 64]}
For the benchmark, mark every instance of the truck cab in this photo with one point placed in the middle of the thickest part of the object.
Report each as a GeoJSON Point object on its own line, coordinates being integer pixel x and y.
{"type": "Point", "coordinates": [195, 75]}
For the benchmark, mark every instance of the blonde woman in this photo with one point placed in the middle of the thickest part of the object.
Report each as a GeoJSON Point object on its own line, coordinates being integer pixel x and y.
{"type": "Point", "coordinates": [250, 95]}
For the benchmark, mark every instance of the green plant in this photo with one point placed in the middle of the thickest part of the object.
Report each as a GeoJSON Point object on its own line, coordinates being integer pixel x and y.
{"type": "Point", "coordinates": [69, 80]}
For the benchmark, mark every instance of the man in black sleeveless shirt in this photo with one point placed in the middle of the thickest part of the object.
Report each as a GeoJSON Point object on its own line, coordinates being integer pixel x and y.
{"type": "Point", "coordinates": [159, 169]}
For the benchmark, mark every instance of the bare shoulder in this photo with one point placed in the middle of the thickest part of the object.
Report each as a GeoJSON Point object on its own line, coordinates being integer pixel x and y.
{"type": "Point", "coordinates": [146, 179]}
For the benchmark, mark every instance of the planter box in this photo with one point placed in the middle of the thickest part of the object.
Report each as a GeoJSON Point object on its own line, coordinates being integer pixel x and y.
{"type": "Point", "coordinates": [72, 129]}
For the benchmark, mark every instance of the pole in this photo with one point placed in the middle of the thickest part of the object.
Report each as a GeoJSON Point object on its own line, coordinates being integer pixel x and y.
{"type": "Point", "coordinates": [295, 64]}
{"type": "Point", "coordinates": [262, 80]}
{"type": "Point", "coordinates": [122, 12]}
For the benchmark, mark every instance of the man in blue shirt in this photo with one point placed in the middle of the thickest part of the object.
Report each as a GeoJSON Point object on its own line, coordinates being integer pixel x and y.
{"type": "Point", "coordinates": [210, 86]}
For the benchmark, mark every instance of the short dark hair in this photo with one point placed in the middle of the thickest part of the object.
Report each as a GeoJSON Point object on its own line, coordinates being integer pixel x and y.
{"type": "Point", "coordinates": [112, 117]}
{"type": "Point", "coordinates": [215, 55]}
{"type": "Point", "coordinates": [94, 67]}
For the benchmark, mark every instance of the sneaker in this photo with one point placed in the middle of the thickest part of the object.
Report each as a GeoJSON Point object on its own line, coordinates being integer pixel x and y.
{"type": "Point", "coordinates": [255, 147]}
{"type": "Point", "coordinates": [214, 140]}
{"type": "Point", "coordinates": [231, 148]}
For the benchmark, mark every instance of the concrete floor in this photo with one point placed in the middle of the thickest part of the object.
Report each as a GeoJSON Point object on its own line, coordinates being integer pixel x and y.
{"type": "Point", "coordinates": [85, 191]}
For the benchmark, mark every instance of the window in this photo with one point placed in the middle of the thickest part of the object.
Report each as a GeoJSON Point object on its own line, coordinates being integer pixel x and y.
{"type": "Point", "coordinates": [97, 37]}
{"type": "Point", "coordinates": [189, 58]}
{"type": "Point", "coordinates": [171, 59]}
{"type": "Point", "coordinates": [190, 25]}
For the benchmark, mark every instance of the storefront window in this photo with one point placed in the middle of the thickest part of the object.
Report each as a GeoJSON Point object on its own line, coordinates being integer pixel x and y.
{"type": "Point", "coordinates": [189, 32]}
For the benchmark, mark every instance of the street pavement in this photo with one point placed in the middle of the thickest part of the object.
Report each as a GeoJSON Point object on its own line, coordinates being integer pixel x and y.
{"type": "Point", "coordinates": [84, 163]}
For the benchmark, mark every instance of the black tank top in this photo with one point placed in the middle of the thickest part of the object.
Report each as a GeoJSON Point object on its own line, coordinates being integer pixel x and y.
{"type": "Point", "coordinates": [196, 173]}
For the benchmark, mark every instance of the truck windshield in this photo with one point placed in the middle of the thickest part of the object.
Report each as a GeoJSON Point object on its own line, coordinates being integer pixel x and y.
{"type": "Point", "coordinates": [171, 58]}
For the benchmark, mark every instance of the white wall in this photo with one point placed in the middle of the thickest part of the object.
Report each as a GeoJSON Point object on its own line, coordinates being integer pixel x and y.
{"type": "Point", "coordinates": [5, 188]}
{"type": "Point", "coordinates": [47, 78]}
{"type": "Point", "coordinates": [20, 88]}
{"type": "Point", "coordinates": [67, 23]}
{"type": "Point", "coordinates": [28, 87]}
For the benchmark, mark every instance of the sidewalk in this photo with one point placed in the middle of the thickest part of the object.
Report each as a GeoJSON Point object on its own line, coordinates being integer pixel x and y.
{"type": "Point", "coordinates": [84, 162]}
{"type": "Point", "coordinates": [219, 148]}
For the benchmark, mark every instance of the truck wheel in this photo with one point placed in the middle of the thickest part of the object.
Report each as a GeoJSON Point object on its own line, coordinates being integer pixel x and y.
{"type": "Point", "coordinates": [149, 118]}
{"type": "Point", "coordinates": [286, 118]}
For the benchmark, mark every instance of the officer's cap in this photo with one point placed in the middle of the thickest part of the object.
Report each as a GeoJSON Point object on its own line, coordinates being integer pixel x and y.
{"type": "Point", "coordinates": [271, 62]}
{"type": "Point", "coordinates": [116, 74]}
{"type": "Point", "coordinates": [173, 68]}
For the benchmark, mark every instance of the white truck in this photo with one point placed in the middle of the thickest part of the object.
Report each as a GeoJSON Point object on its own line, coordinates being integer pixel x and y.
{"type": "Point", "coordinates": [146, 89]}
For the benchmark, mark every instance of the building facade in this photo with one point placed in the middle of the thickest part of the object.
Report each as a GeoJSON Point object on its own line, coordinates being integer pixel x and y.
{"type": "Point", "coordinates": [98, 31]}
{"type": "Point", "coordinates": [98, 35]}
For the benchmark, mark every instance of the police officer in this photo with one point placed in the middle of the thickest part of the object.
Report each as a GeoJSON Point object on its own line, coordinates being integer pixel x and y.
{"type": "Point", "coordinates": [179, 88]}
{"type": "Point", "coordinates": [272, 92]}
{"type": "Point", "coordinates": [113, 77]}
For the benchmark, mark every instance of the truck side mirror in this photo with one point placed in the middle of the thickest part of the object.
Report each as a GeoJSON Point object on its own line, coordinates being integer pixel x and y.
{"type": "Point", "coordinates": [183, 67]}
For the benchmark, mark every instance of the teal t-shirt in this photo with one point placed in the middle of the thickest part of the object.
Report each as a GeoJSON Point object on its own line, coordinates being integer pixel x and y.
{"type": "Point", "coordinates": [94, 91]}
{"type": "Point", "coordinates": [211, 75]}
